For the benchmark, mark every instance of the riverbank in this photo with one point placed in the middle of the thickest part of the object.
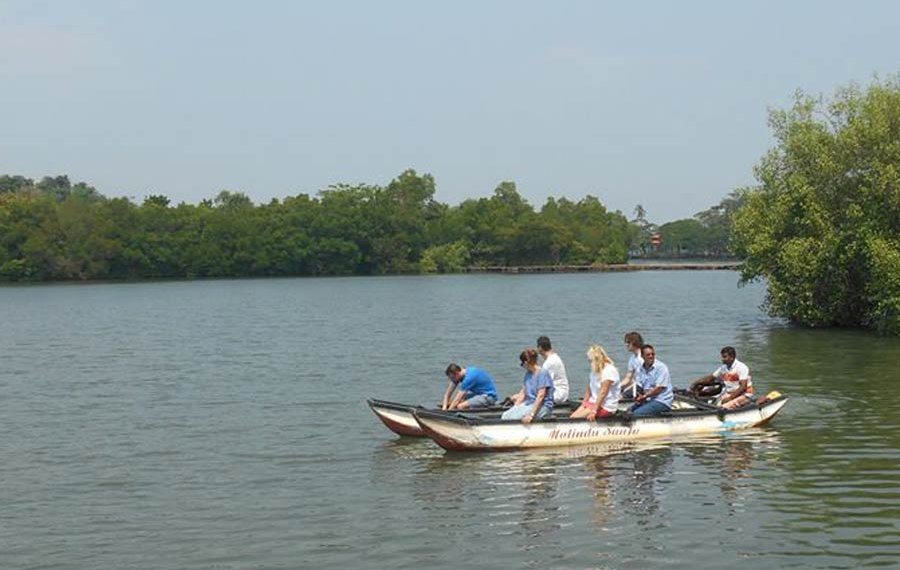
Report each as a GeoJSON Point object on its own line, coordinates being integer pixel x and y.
{"type": "Point", "coordinates": [614, 267]}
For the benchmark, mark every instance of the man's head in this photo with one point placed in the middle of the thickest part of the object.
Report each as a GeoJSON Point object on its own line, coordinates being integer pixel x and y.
{"type": "Point", "coordinates": [648, 353]}
{"type": "Point", "coordinates": [543, 344]}
{"type": "Point", "coordinates": [634, 341]}
{"type": "Point", "coordinates": [454, 372]}
{"type": "Point", "coordinates": [728, 355]}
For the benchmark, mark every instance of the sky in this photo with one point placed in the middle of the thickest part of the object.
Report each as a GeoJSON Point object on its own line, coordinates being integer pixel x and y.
{"type": "Point", "coordinates": [662, 104]}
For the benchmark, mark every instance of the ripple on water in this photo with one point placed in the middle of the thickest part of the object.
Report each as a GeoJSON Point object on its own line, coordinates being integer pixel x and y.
{"type": "Point", "coordinates": [222, 424]}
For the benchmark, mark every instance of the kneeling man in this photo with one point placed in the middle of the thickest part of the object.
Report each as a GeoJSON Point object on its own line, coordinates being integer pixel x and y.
{"type": "Point", "coordinates": [476, 388]}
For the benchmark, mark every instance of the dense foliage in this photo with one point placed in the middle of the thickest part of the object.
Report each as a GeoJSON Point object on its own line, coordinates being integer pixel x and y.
{"type": "Point", "coordinates": [707, 234]}
{"type": "Point", "coordinates": [53, 230]}
{"type": "Point", "coordinates": [823, 227]}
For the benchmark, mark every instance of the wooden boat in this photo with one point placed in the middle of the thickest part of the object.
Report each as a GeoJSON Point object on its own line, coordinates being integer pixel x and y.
{"type": "Point", "coordinates": [466, 432]}
{"type": "Point", "coordinates": [399, 417]}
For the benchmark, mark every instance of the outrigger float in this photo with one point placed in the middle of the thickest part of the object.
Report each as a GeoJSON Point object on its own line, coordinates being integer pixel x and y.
{"type": "Point", "coordinates": [468, 432]}
{"type": "Point", "coordinates": [399, 418]}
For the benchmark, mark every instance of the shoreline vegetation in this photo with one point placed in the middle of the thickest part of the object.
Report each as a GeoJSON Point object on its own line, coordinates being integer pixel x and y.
{"type": "Point", "coordinates": [711, 265]}
{"type": "Point", "coordinates": [821, 228]}
{"type": "Point", "coordinates": [53, 230]}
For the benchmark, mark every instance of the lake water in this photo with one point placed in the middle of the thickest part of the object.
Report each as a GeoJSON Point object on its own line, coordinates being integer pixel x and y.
{"type": "Point", "coordinates": [223, 424]}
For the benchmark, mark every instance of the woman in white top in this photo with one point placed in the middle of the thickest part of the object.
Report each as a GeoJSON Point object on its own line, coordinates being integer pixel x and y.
{"type": "Point", "coordinates": [602, 394]}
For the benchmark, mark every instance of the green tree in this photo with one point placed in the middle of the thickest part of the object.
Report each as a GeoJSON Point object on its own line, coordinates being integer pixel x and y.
{"type": "Point", "coordinates": [446, 258]}
{"type": "Point", "coordinates": [823, 227]}
{"type": "Point", "coordinates": [9, 184]}
{"type": "Point", "coordinates": [684, 237]}
{"type": "Point", "coordinates": [718, 221]}
{"type": "Point", "coordinates": [640, 239]}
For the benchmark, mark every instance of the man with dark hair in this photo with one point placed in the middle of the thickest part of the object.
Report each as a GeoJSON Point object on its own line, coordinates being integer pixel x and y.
{"type": "Point", "coordinates": [633, 343]}
{"type": "Point", "coordinates": [476, 388]}
{"type": "Point", "coordinates": [553, 364]}
{"type": "Point", "coordinates": [734, 377]}
{"type": "Point", "coordinates": [653, 377]}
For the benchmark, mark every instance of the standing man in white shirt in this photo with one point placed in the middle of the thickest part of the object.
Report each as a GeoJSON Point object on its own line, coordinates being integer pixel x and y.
{"type": "Point", "coordinates": [734, 375]}
{"type": "Point", "coordinates": [633, 343]}
{"type": "Point", "coordinates": [554, 365]}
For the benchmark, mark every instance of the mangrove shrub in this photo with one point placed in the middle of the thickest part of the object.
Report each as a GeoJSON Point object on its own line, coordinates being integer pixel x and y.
{"type": "Point", "coordinates": [823, 226]}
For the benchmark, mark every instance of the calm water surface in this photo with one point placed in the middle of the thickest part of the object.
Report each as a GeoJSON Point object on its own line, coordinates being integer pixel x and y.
{"type": "Point", "coordinates": [223, 424]}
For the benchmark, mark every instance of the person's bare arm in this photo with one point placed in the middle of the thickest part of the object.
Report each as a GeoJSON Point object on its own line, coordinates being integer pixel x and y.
{"type": "Point", "coordinates": [457, 400]}
{"type": "Point", "coordinates": [538, 400]}
{"type": "Point", "coordinates": [604, 390]}
{"type": "Point", "coordinates": [649, 395]}
{"type": "Point", "coordinates": [742, 389]}
{"type": "Point", "coordinates": [626, 382]}
{"type": "Point", "coordinates": [702, 381]}
{"type": "Point", "coordinates": [445, 403]}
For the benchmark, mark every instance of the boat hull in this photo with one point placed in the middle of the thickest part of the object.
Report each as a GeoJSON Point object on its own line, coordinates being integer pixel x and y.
{"type": "Point", "coordinates": [399, 418]}
{"type": "Point", "coordinates": [459, 432]}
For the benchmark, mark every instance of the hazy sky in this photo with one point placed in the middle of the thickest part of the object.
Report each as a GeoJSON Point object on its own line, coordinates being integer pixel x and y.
{"type": "Point", "coordinates": [658, 103]}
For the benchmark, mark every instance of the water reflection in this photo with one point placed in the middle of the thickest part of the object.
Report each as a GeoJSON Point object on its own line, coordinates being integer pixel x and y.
{"type": "Point", "coordinates": [601, 483]}
{"type": "Point", "coordinates": [730, 463]}
{"type": "Point", "coordinates": [541, 513]}
{"type": "Point", "coordinates": [651, 470]}
{"type": "Point", "coordinates": [737, 458]}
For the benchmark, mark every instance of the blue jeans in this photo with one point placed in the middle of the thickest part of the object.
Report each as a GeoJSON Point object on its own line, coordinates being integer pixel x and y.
{"type": "Point", "coordinates": [521, 410]}
{"type": "Point", "coordinates": [651, 408]}
{"type": "Point", "coordinates": [481, 401]}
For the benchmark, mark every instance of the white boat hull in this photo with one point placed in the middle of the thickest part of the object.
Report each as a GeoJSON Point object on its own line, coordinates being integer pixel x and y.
{"type": "Point", "coordinates": [399, 418]}
{"type": "Point", "coordinates": [459, 432]}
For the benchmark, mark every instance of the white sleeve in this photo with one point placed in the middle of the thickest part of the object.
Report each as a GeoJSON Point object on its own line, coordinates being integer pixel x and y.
{"type": "Point", "coordinates": [609, 373]}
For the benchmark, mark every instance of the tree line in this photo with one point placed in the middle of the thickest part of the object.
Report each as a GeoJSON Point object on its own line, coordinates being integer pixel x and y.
{"type": "Point", "coordinates": [52, 229]}
{"type": "Point", "coordinates": [822, 226]}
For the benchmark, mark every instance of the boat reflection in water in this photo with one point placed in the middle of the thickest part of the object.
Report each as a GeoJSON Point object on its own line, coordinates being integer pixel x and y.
{"type": "Point", "coordinates": [628, 488]}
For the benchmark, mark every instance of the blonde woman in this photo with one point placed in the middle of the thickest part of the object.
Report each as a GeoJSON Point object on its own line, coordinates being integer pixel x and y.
{"type": "Point", "coordinates": [602, 394]}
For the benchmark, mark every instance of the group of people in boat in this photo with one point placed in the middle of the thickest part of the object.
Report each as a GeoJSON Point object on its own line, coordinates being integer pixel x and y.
{"type": "Point", "coordinates": [545, 383]}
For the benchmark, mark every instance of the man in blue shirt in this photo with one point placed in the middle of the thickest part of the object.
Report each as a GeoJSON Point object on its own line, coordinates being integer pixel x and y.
{"type": "Point", "coordinates": [476, 388]}
{"type": "Point", "coordinates": [653, 377]}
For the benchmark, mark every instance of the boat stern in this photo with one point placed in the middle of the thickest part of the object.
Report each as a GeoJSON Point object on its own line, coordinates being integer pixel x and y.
{"type": "Point", "coordinates": [396, 417]}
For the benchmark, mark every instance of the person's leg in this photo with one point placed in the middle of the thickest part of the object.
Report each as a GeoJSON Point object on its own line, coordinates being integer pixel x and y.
{"type": "Point", "coordinates": [541, 413]}
{"type": "Point", "coordinates": [738, 402]}
{"type": "Point", "coordinates": [583, 410]}
{"type": "Point", "coordinates": [479, 401]}
{"type": "Point", "coordinates": [651, 408]}
{"type": "Point", "coordinates": [516, 412]}
{"type": "Point", "coordinates": [560, 396]}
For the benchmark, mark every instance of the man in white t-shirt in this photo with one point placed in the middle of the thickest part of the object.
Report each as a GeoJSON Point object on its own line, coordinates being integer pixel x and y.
{"type": "Point", "coordinates": [633, 343]}
{"type": "Point", "coordinates": [734, 376]}
{"type": "Point", "coordinates": [554, 365]}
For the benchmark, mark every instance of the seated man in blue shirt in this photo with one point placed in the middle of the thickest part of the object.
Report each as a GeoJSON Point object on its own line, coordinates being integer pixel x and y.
{"type": "Point", "coordinates": [476, 388]}
{"type": "Point", "coordinates": [653, 377]}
